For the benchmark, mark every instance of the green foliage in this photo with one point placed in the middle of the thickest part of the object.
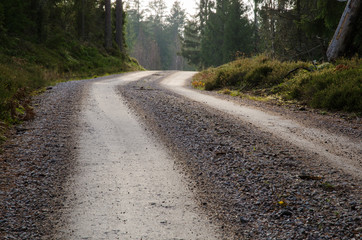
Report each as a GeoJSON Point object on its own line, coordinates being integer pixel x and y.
{"type": "Point", "coordinates": [31, 66]}
{"type": "Point", "coordinates": [237, 32]}
{"type": "Point", "coordinates": [248, 73]}
{"type": "Point", "coordinates": [191, 43]}
{"type": "Point", "coordinates": [2, 17]}
{"type": "Point", "coordinates": [224, 31]}
{"type": "Point", "coordinates": [329, 86]}
{"type": "Point", "coordinates": [44, 42]}
{"type": "Point", "coordinates": [299, 29]}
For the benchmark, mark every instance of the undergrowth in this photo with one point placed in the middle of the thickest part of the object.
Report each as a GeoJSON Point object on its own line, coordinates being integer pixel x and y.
{"type": "Point", "coordinates": [26, 67]}
{"type": "Point", "coordinates": [336, 87]}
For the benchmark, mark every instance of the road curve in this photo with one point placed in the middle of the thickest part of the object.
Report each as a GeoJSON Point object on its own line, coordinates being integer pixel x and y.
{"type": "Point", "coordinates": [127, 186]}
{"type": "Point", "coordinates": [339, 151]}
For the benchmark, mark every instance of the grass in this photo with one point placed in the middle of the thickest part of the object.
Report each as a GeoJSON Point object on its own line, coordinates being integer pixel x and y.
{"type": "Point", "coordinates": [332, 87]}
{"type": "Point", "coordinates": [26, 68]}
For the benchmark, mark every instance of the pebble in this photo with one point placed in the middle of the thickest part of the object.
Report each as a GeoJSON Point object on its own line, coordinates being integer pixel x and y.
{"type": "Point", "coordinates": [240, 171]}
{"type": "Point", "coordinates": [38, 160]}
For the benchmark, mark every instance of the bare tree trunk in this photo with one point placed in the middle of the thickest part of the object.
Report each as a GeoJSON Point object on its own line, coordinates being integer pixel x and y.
{"type": "Point", "coordinates": [108, 25]}
{"type": "Point", "coordinates": [345, 30]}
{"type": "Point", "coordinates": [119, 24]}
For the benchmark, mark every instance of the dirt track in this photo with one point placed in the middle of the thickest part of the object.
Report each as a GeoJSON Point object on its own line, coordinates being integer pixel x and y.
{"type": "Point", "coordinates": [126, 185]}
{"type": "Point", "coordinates": [160, 161]}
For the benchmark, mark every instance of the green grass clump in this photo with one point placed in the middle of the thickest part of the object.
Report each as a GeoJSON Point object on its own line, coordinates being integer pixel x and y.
{"type": "Point", "coordinates": [337, 87]}
{"type": "Point", "coordinates": [327, 86]}
{"type": "Point", "coordinates": [247, 73]}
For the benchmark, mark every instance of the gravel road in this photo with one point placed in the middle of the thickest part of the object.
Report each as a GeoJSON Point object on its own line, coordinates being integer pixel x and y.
{"type": "Point", "coordinates": [255, 184]}
{"type": "Point", "coordinates": [126, 185]}
{"type": "Point", "coordinates": [156, 162]}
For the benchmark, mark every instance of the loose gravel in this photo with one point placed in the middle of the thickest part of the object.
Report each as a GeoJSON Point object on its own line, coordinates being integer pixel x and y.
{"type": "Point", "coordinates": [253, 185]}
{"type": "Point", "coordinates": [36, 163]}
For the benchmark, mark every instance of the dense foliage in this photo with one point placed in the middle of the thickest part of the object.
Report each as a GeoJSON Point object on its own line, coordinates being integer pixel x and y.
{"type": "Point", "coordinates": [45, 41]}
{"type": "Point", "coordinates": [285, 29]}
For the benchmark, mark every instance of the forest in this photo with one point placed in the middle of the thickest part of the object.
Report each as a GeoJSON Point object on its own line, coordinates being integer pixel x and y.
{"type": "Point", "coordinates": [284, 29]}
{"type": "Point", "coordinates": [154, 34]}
{"type": "Point", "coordinates": [224, 30]}
{"type": "Point", "coordinates": [286, 54]}
{"type": "Point", "coordinates": [47, 41]}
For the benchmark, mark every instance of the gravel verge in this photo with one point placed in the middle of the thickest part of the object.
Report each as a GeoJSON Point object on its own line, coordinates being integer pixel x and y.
{"type": "Point", "coordinates": [253, 185]}
{"type": "Point", "coordinates": [36, 163]}
{"type": "Point", "coordinates": [339, 123]}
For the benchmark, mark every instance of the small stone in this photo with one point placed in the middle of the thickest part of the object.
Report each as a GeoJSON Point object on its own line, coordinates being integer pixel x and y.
{"type": "Point", "coordinates": [243, 220]}
{"type": "Point", "coordinates": [285, 213]}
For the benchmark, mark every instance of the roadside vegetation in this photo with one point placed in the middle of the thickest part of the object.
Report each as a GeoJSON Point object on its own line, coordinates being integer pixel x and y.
{"type": "Point", "coordinates": [334, 87]}
{"type": "Point", "coordinates": [27, 68]}
{"type": "Point", "coordinates": [46, 42]}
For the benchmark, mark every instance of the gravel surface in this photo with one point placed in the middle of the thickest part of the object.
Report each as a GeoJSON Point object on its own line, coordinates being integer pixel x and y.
{"type": "Point", "coordinates": [254, 186]}
{"type": "Point", "coordinates": [36, 163]}
{"type": "Point", "coordinates": [126, 185]}
{"type": "Point", "coordinates": [340, 123]}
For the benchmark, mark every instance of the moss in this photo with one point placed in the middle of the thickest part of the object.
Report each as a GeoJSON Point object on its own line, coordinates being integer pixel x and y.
{"type": "Point", "coordinates": [336, 87]}
{"type": "Point", "coordinates": [34, 66]}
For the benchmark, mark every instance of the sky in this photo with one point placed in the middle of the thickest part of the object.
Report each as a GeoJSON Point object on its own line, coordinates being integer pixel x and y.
{"type": "Point", "coordinates": [188, 5]}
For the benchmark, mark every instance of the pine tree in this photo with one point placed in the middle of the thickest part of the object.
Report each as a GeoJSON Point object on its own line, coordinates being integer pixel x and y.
{"type": "Point", "coordinates": [191, 43]}
{"type": "Point", "coordinates": [119, 25]}
{"type": "Point", "coordinates": [237, 32]}
{"type": "Point", "coordinates": [175, 22]}
{"type": "Point", "coordinates": [108, 24]}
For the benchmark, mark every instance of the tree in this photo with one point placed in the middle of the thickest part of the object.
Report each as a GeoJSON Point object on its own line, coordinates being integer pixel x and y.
{"type": "Point", "coordinates": [158, 10]}
{"type": "Point", "coordinates": [191, 43]}
{"type": "Point", "coordinates": [343, 35]}
{"type": "Point", "coordinates": [237, 32]}
{"type": "Point", "coordinates": [119, 24]}
{"type": "Point", "coordinates": [108, 24]}
{"type": "Point", "coordinates": [175, 22]}
{"type": "Point", "coordinates": [226, 32]}
{"type": "Point", "coordinates": [2, 17]}
{"type": "Point", "coordinates": [205, 7]}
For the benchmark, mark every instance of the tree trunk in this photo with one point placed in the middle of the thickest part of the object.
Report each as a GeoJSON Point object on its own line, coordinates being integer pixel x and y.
{"type": "Point", "coordinates": [83, 20]}
{"type": "Point", "coordinates": [345, 30]}
{"type": "Point", "coordinates": [255, 26]}
{"type": "Point", "coordinates": [119, 24]}
{"type": "Point", "coordinates": [108, 25]}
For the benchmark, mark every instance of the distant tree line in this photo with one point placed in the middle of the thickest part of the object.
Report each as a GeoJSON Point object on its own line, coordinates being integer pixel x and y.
{"type": "Point", "coordinates": [221, 31]}
{"type": "Point", "coordinates": [54, 22]}
{"type": "Point", "coordinates": [153, 34]}
{"type": "Point", "coordinates": [286, 29]}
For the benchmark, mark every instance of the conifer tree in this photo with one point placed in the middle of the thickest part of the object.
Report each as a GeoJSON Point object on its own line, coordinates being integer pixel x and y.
{"type": "Point", "coordinates": [119, 25]}
{"type": "Point", "coordinates": [108, 24]}
{"type": "Point", "coordinates": [191, 43]}
{"type": "Point", "coordinates": [237, 32]}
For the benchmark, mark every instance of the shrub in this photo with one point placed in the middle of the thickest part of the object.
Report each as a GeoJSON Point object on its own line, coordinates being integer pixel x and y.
{"type": "Point", "coordinates": [330, 86]}
{"type": "Point", "coordinates": [31, 66]}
